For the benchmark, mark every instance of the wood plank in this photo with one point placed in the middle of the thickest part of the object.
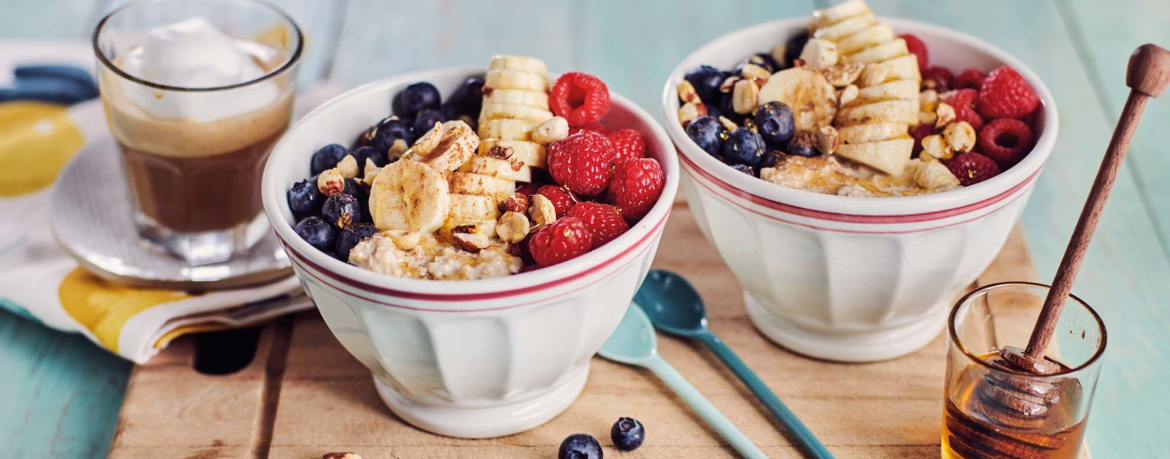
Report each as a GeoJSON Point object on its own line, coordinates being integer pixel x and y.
{"type": "Point", "coordinates": [327, 400]}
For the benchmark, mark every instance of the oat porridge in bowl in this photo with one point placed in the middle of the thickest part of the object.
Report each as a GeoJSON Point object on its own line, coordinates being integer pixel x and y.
{"type": "Point", "coordinates": [853, 189]}
{"type": "Point", "coordinates": [472, 236]}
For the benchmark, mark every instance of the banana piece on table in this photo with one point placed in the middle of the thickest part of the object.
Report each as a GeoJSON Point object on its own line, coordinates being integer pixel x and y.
{"type": "Point", "coordinates": [409, 196]}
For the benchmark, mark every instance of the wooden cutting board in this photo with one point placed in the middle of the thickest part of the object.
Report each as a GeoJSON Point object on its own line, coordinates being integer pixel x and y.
{"type": "Point", "coordinates": [303, 396]}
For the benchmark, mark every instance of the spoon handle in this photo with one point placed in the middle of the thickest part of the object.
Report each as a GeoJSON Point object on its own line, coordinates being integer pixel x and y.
{"type": "Point", "coordinates": [769, 399]}
{"type": "Point", "coordinates": [692, 397]}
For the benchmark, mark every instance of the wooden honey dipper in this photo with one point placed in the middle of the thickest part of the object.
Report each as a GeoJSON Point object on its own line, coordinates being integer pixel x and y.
{"type": "Point", "coordinates": [1021, 403]}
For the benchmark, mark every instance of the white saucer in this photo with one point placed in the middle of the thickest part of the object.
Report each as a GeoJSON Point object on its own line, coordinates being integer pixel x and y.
{"type": "Point", "coordinates": [93, 221]}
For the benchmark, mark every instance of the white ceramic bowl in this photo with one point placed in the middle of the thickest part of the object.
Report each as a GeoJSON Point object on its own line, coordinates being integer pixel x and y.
{"type": "Point", "coordinates": [844, 278]}
{"type": "Point", "coordinates": [480, 358]}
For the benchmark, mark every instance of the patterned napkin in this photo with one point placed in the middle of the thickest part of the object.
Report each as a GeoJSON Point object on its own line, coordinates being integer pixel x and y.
{"type": "Point", "coordinates": [39, 132]}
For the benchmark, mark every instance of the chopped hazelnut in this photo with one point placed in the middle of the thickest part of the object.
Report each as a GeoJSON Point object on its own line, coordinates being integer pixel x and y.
{"type": "Point", "coordinates": [348, 167]}
{"type": "Point", "coordinates": [404, 240]}
{"type": "Point", "coordinates": [745, 97]}
{"type": "Point", "coordinates": [687, 93]}
{"type": "Point", "coordinates": [517, 202]}
{"type": "Point", "coordinates": [542, 210]}
{"type": "Point", "coordinates": [472, 242]}
{"type": "Point", "coordinates": [331, 182]}
{"type": "Point", "coordinates": [728, 124]}
{"type": "Point", "coordinates": [936, 146]}
{"type": "Point", "coordinates": [688, 112]}
{"type": "Point", "coordinates": [513, 227]}
{"type": "Point", "coordinates": [946, 115]}
{"type": "Point", "coordinates": [554, 129]}
{"type": "Point", "coordinates": [961, 136]}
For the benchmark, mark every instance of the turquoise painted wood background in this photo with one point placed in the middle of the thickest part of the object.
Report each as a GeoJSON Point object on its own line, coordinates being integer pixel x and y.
{"type": "Point", "coordinates": [59, 395]}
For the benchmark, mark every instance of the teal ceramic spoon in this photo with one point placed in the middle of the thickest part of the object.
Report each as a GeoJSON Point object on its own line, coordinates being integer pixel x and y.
{"type": "Point", "coordinates": [634, 343]}
{"type": "Point", "coordinates": [674, 307]}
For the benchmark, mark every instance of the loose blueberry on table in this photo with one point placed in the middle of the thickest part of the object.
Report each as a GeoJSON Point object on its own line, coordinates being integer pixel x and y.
{"type": "Point", "coordinates": [859, 114]}
{"type": "Point", "coordinates": [627, 434]}
{"type": "Point", "coordinates": [508, 174]}
{"type": "Point", "coordinates": [580, 446]}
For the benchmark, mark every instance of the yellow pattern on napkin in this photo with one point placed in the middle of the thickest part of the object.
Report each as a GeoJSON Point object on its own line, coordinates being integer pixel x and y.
{"type": "Point", "coordinates": [104, 307]}
{"type": "Point", "coordinates": [39, 139]}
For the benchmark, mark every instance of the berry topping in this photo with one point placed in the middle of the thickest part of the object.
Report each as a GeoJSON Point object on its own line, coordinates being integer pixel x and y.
{"type": "Point", "coordinates": [795, 46]}
{"type": "Point", "coordinates": [627, 434]}
{"type": "Point", "coordinates": [580, 98]}
{"type": "Point", "coordinates": [603, 220]}
{"type": "Point", "coordinates": [562, 199]}
{"type": "Point", "coordinates": [708, 134]}
{"type": "Point", "coordinates": [351, 236]}
{"type": "Point", "coordinates": [1005, 94]}
{"type": "Point", "coordinates": [972, 168]}
{"type": "Point", "coordinates": [969, 79]}
{"type": "Point", "coordinates": [583, 162]}
{"type": "Point", "coordinates": [361, 154]}
{"type": "Point", "coordinates": [775, 123]}
{"type": "Point", "coordinates": [918, 49]}
{"type": "Point", "coordinates": [918, 133]}
{"type": "Point", "coordinates": [744, 168]}
{"type": "Point", "coordinates": [627, 144]}
{"type": "Point", "coordinates": [304, 198]}
{"type": "Point", "coordinates": [382, 136]}
{"type": "Point", "coordinates": [563, 240]}
{"type": "Point", "coordinates": [317, 233]}
{"type": "Point", "coordinates": [635, 187]}
{"type": "Point", "coordinates": [1006, 140]}
{"type": "Point", "coordinates": [764, 60]}
{"type": "Point", "coordinates": [803, 145]}
{"type": "Point", "coordinates": [706, 80]}
{"type": "Point", "coordinates": [595, 127]}
{"type": "Point", "coordinates": [326, 158]}
{"type": "Point", "coordinates": [341, 210]}
{"type": "Point", "coordinates": [943, 79]}
{"type": "Point", "coordinates": [963, 101]}
{"type": "Point", "coordinates": [466, 100]}
{"type": "Point", "coordinates": [579, 446]}
{"type": "Point", "coordinates": [744, 146]}
{"type": "Point", "coordinates": [426, 119]}
{"type": "Point", "coordinates": [414, 98]}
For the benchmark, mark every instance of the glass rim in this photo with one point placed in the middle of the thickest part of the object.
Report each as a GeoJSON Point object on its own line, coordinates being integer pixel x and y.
{"type": "Point", "coordinates": [292, 60]}
{"type": "Point", "coordinates": [954, 336]}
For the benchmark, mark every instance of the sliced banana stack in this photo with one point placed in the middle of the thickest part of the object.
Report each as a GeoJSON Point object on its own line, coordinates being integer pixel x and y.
{"type": "Point", "coordinates": [874, 126]}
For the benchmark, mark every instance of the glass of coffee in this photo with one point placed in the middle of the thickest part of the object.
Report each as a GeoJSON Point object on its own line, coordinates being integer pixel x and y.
{"type": "Point", "coordinates": [993, 409]}
{"type": "Point", "coordinates": [196, 93]}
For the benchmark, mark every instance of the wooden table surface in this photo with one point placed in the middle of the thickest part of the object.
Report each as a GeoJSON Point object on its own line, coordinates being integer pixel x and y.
{"type": "Point", "coordinates": [60, 396]}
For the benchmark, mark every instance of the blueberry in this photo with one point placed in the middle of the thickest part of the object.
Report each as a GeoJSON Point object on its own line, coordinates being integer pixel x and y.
{"type": "Point", "coordinates": [361, 154]}
{"type": "Point", "coordinates": [305, 199]}
{"type": "Point", "coordinates": [771, 158]}
{"type": "Point", "coordinates": [351, 236]}
{"type": "Point", "coordinates": [794, 46]}
{"type": "Point", "coordinates": [745, 169]}
{"type": "Point", "coordinates": [706, 80]}
{"type": "Point", "coordinates": [414, 98]}
{"type": "Point", "coordinates": [341, 210]}
{"type": "Point", "coordinates": [774, 122]}
{"type": "Point", "coordinates": [802, 145]}
{"type": "Point", "coordinates": [726, 106]}
{"type": "Point", "coordinates": [326, 158]}
{"type": "Point", "coordinates": [745, 147]}
{"type": "Point", "coordinates": [352, 187]}
{"type": "Point", "coordinates": [466, 100]}
{"type": "Point", "coordinates": [426, 120]}
{"type": "Point", "coordinates": [382, 136]}
{"type": "Point", "coordinates": [627, 434]}
{"type": "Point", "coordinates": [766, 61]}
{"type": "Point", "coordinates": [317, 233]}
{"type": "Point", "coordinates": [580, 446]}
{"type": "Point", "coordinates": [708, 134]}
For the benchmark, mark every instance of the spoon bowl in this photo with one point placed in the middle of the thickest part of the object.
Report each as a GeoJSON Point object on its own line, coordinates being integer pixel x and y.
{"type": "Point", "coordinates": [672, 304]}
{"type": "Point", "coordinates": [633, 342]}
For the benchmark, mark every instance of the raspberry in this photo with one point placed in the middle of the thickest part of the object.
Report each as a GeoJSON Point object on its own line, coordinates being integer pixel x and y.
{"type": "Point", "coordinates": [963, 100]}
{"type": "Point", "coordinates": [583, 162]}
{"type": "Point", "coordinates": [528, 188]}
{"type": "Point", "coordinates": [562, 199]}
{"type": "Point", "coordinates": [943, 79]}
{"type": "Point", "coordinates": [595, 127]}
{"type": "Point", "coordinates": [917, 48]}
{"type": "Point", "coordinates": [969, 79]}
{"type": "Point", "coordinates": [1005, 94]}
{"type": "Point", "coordinates": [627, 144]}
{"type": "Point", "coordinates": [580, 98]}
{"type": "Point", "coordinates": [603, 220]}
{"type": "Point", "coordinates": [918, 133]}
{"type": "Point", "coordinates": [1005, 140]}
{"type": "Point", "coordinates": [635, 187]}
{"type": "Point", "coordinates": [972, 168]}
{"type": "Point", "coordinates": [563, 240]}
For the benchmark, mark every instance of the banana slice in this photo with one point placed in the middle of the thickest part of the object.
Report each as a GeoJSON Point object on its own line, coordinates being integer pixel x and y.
{"type": "Point", "coordinates": [837, 13]}
{"type": "Point", "coordinates": [466, 207]}
{"type": "Point", "coordinates": [846, 27]}
{"type": "Point", "coordinates": [518, 97]}
{"type": "Point", "coordinates": [880, 53]}
{"type": "Point", "coordinates": [894, 90]}
{"type": "Point", "coordinates": [515, 79]}
{"type": "Point", "coordinates": [865, 38]}
{"type": "Point", "coordinates": [457, 146]}
{"type": "Point", "coordinates": [523, 63]}
{"type": "Point", "coordinates": [901, 68]}
{"type": "Point", "coordinates": [864, 133]}
{"type": "Point", "coordinates": [530, 153]}
{"type": "Point", "coordinates": [481, 185]}
{"type": "Point", "coordinates": [498, 168]}
{"type": "Point", "coordinates": [812, 98]}
{"type": "Point", "coordinates": [889, 111]}
{"type": "Point", "coordinates": [513, 111]}
{"type": "Point", "coordinates": [889, 156]}
{"type": "Point", "coordinates": [409, 196]}
{"type": "Point", "coordinates": [506, 129]}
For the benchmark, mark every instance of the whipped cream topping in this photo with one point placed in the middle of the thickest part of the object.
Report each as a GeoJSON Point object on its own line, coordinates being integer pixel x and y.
{"type": "Point", "coordinates": [195, 54]}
